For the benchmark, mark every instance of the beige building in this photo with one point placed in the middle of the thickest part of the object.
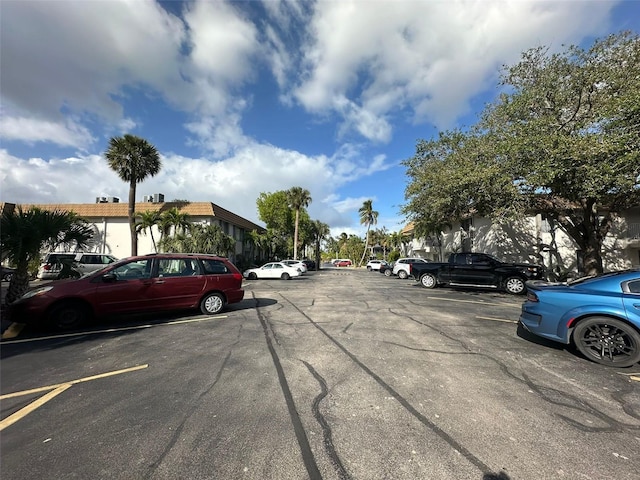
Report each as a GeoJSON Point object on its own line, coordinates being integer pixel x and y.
{"type": "Point", "coordinates": [533, 239]}
{"type": "Point", "coordinates": [109, 218]}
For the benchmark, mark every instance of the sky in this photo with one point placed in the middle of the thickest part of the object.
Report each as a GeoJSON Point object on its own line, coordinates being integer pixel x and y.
{"type": "Point", "coordinates": [246, 97]}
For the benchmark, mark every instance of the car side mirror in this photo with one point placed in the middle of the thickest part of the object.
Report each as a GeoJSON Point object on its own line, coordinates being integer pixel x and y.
{"type": "Point", "coordinates": [109, 277]}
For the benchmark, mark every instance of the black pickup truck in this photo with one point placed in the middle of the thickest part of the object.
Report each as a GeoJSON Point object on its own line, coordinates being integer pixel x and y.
{"type": "Point", "coordinates": [477, 270]}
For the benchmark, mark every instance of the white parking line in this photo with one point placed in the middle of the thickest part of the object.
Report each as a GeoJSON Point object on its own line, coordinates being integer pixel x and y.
{"type": "Point", "coordinates": [111, 330]}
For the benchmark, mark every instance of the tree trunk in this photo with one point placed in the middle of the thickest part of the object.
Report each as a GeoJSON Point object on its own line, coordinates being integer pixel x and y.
{"type": "Point", "coordinates": [295, 236]}
{"type": "Point", "coordinates": [587, 230]}
{"type": "Point", "coordinates": [132, 218]}
{"type": "Point", "coordinates": [19, 283]}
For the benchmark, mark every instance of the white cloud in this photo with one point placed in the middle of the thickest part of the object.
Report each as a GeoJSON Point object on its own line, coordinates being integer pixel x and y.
{"type": "Point", "coordinates": [430, 57]}
{"type": "Point", "coordinates": [66, 133]}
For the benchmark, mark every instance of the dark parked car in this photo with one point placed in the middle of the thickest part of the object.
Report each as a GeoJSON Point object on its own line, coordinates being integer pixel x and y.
{"type": "Point", "coordinates": [136, 284]}
{"type": "Point", "coordinates": [311, 265]}
{"type": "Point", "coordinates": [600, 315]}
{"type": "Point", "coordinates": [387, 269]}
{"type": "Point", "coordinates": [7, 273]}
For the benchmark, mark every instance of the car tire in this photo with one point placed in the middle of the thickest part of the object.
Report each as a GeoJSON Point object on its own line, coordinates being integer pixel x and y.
{"type": "Point", "coordinates": [252, 276]}
{"type": "Point", "coordinates": [7, 277]}
{"type": "Point", "coordinates": [402, 274]}
{"type": "Point", "coordinates": [515, 286]}
{"type": "Point", "coordinates": [388, 273]}
{"type": "Point", "coordinates": [368, 269]}
{"type": "Point", "coordinates": [68, 315]}
{"type": "Point", "coordinates": [285, 276]}
{"type": "Point", "coordinates": [428, 280]}
{"type": "Point", "coordinates": [212, 303]}
{"type": "Point", "coordinates": [608, 341]}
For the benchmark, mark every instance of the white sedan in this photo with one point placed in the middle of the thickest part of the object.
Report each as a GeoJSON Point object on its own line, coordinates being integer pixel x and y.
{"type": "Point", "coordinates": [272, 270]}
{"type": "Point", "coordinates": [296, 264]}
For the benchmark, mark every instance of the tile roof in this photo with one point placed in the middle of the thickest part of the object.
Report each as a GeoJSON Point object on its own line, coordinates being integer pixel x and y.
{"type": "Point", "coordinates": [194, 209]}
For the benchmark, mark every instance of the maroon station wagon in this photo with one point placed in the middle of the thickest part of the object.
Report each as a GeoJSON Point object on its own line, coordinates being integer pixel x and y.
{"type": "Point", "coordinates": [164, 281]}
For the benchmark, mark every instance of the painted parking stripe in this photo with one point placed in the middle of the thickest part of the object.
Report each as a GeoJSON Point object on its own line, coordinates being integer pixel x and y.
{"type": "Point", "coordinates": [498, 319]}
{"type": "Point", "coordinates": [23, 412]}
{"type": "Point", "coordinates": [53, 391]}
{"type": "Point", "coordinates": [112, 330]}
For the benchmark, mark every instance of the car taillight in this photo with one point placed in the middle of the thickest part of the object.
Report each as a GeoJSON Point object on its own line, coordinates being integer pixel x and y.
{"type": "Point", "coordinates": [237, 276]}
{"type": "Point", "coordinates": [47, 266]}
{"type": "Point", "coordinates": [532, 297]}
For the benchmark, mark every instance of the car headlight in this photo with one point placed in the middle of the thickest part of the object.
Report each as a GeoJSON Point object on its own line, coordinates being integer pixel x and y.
{"type": "Point", "coordinates": [37, 291]}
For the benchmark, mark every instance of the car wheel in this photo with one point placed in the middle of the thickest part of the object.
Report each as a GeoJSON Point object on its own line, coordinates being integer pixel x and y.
{"type": "Point", "coordinates": [369, 269]}
{"type": "Point", "coordinates": [252, 276]}
{"type": "Point", "coordinates": [7, 277]}
{"type": "Point", "coordinates": [402, 274]}
{"type": "Point", "coordinates": [388, 273]}
{"type": "Point", "coordinates": [285, 276]}
{"type": "Point", "coordinates": [428, 280]}
{"type": "Point", "coordinates": [515, 285]}
{"type": "Point", "coordinates": [608, 341]}
{"type": "Point", "coordinates": [212, 303]}
{"type": "Point", "coordinates": [68, 315]}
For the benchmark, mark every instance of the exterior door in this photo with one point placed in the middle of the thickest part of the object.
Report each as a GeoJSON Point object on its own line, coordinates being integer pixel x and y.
{"type": "Point", "coordinates": [131, 291]}
{"type": "Point", "coordinates": [178, 283]}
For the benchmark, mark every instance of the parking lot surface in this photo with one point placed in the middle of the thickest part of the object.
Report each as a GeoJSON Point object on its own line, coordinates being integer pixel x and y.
{"type": "Point", "coordinates": [339, 374]}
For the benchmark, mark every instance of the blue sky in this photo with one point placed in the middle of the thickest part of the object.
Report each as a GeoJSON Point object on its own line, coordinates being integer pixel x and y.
{"type": "Point", "coordinates": [248, 97]}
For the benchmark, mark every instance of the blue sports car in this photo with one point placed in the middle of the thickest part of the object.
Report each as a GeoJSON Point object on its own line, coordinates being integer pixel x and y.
{"type": "Point", "coordinates": [600, 315]}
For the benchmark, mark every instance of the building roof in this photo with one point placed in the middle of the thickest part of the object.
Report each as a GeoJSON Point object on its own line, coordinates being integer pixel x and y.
{"type": "Point", "coordinates": [115, 210]}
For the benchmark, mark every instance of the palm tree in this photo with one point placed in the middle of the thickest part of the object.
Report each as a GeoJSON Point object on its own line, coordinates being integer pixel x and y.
{"type": "Point", "coordinates": [23, 234]}
{"type": "Point", "coordinates": [133, 159]}
{"type": "Point", "coordinates": [320, 232]}
{"type": "Point", "coordinates": [368, 217]}
{"type": "Point", "coordinates": [176, 219]}
{"type": "Point", "coordinates": [298, 198]}
{"type": "Point", "coordinates": [148, 219]}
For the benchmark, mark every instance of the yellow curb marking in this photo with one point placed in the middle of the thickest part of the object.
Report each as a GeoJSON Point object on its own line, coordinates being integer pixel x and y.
{"type": "Point", "coordinates": [498, 319]}
{"type": "Point", "coordinates": [112, 330]}
{"type": "Point", "coordinates": [55, 390]}
{"type": "Point", "coordinates": [13, 330]}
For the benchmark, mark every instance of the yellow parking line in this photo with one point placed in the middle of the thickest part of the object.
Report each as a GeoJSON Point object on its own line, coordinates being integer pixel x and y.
{"type": "Point", "coordinates": [498, 319]}
{"type": "Point", "coordinates": [55, 390]}
{"type": "Point", "coordinates": [112, 330]}
{"type": "Point", "coordinates": [23, 412]}
{"type": "Point", "coordinates": [73, 382]}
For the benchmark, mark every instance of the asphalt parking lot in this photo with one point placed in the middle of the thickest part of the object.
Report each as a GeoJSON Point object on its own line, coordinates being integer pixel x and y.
{"type": "Point", "coordinates": [341, 374]}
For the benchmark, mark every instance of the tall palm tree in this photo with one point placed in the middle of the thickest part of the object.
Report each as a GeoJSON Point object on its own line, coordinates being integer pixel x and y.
{"type": "Point", "coordinates": [298, 199]}
{"type": "Point", "coordinates": [147, 220]}
{"type": "Point", "coordinates": [174, 218]}
{"type": "Point", "coordinates": [23, 234]}
{"type": "Point", "coordinates": [133, 159]}
{"type": "Point", "coordinates": [368, 217]}
{"type": "Point", "coordinates": [320, 232]}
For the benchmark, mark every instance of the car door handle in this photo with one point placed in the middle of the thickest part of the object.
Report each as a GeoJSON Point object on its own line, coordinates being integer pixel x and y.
{"type": "Point", "coordinates": [157, 282]}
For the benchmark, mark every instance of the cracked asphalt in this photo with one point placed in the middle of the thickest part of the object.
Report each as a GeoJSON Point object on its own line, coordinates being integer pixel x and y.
{"type": "Point", "coordinates": [340, 374]}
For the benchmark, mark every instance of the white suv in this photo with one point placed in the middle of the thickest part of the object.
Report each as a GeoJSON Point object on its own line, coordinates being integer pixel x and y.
{"type": "Point", "coordinates": [82, 262]}
{"type": "Point", "coordinates": [402, 266]}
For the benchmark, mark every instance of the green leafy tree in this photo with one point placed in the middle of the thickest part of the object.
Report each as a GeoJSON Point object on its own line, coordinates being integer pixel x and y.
{"type": "Point", "coordinates": [274, 211]}
{"type": "Point", "coordinates": [563, 140]}
{"type": "Point", "coordinates": [146, 221]}
{"type": "Point", "coordinates": [24, 233]}
{"type": "Point", "coordinates": [200, 239]}
{"type": "Point", "coordinates": [297, 198]}
{"type": "Point", "coordinates": [320, 233]}
{"type": "Point", "coordinates": [174, 221]}
{"type": "Point", "coordinates": [368, 217]}
{"type": "Point", "coordinates": [133, 159]}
